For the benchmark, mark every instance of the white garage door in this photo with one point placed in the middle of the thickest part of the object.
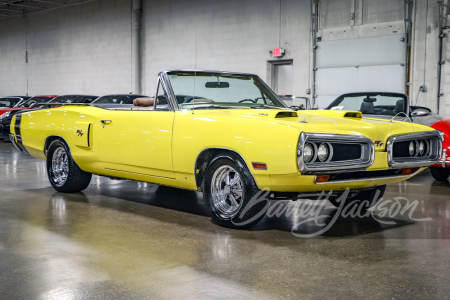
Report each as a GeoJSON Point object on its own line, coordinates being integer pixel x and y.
{"type": "Point", "coordinates": [373, 64]}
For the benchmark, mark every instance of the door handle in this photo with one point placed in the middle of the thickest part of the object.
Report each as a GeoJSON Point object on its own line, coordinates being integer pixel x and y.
{"type": "Point", "coordinates": [106, 121]}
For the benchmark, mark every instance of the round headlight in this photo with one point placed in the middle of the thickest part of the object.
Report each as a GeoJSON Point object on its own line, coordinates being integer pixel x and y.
{"type": "Point", "coordinates": [324, 152]}
{"type": "Point", "coordinates": [422, 148]}
{"type": "Point", "coordinates": [308, 153]}
{"type": "Point", "coordinates": [412, 148]}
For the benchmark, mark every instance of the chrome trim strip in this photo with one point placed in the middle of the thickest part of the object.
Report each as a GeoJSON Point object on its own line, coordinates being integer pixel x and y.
{"type": "Point", "coordinates": [58, 136]}
{"type": "Point", "coordinates": [444, 158]}
{"type": "Point", "coordinates": [165, 76]}
{"type": "Point", "coordinates": [415, 161]}
{"type": "Point", "coordinates": [259, 163]}
{"type": "Point", "coordinates": [335, 167]}
{"type": "Point", "coordinates": [369, 178]}
{"type": "Point", "coordinates": [13, 141]}
{"type": "Point", "coordinates": [169, 91]}
{"type": "Point", "coordinates": [196, 162]}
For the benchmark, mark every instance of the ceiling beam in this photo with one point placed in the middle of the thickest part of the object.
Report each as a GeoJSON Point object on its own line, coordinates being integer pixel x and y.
{"type": "Point", "coordinates": [50, 2]}
{"type": "Point", "coordinates": [21, 5]}
{"type": "Point", "coordinates": [13, 10]}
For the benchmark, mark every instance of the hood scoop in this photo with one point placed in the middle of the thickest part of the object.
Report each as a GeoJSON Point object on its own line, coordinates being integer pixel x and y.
{"type": "Point", "coordinates": [353, 114]}
{"type": "Point", "coordinates": [286, 114]}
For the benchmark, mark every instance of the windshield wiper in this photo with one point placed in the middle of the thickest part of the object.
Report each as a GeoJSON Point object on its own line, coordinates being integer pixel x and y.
{"type": "Point", "coordinates": [264, 106]}
{"type": "Point", "coordinates": [212, 106]}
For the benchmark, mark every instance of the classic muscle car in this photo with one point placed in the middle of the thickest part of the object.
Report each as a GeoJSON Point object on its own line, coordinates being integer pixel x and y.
{"type": "Point", "coordinates": [10, 103]}
{"type": "Point", "coordinates": [229, 136]}
{"type": "Point", "coordinates": [385, 106]}
{"type": "Point", "coordinates": [441, 171]}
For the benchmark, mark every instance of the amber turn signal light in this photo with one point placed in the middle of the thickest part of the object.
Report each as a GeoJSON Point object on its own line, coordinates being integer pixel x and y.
{"type": "Point", "coordinates": [322, 178]}
{"type": "Point", "coordinates": [259, 166]}
{"type": "Point", "coordinates": [409, 171]}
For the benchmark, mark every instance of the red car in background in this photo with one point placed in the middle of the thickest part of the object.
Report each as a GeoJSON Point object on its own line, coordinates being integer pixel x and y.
{"type": "Point", "coordinates": [18, 104]}
{"type": "Point", "coordinates": [11, 102]}
{"type": "Point", "coordinates": [441, 172]}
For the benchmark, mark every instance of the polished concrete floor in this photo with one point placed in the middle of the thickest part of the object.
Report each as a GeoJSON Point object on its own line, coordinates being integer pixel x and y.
{"type": "Point", "coordinates": [131, 240]}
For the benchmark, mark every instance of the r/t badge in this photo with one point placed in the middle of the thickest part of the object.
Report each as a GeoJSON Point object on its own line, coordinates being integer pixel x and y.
{"type": "Point", "coordinates": [80, 132]}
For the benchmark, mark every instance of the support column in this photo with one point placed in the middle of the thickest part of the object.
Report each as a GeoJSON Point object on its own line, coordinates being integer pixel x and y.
{"type": "Point", "coordinates": [136, 47]}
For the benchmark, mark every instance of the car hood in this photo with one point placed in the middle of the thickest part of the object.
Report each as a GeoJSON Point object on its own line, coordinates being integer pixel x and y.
{"type": "Point", "coordinates": [423, 120]}
{"type": "Point", "coordinates": [327, 121]}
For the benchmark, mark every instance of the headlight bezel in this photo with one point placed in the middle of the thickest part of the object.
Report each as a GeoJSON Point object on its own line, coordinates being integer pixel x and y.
{"type": "Point", "coordinates": [329, 166]}
{"type": "Point", "coordinates": [431, 156]}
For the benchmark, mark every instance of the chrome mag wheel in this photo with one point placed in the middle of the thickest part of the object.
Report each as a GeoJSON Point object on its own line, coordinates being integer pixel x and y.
{"type": "Point", "coordinates": [227, 192]}
{"type": "Point", "coordinates": [60, 166]}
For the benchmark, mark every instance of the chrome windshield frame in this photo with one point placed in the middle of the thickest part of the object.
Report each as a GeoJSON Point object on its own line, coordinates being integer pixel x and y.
{"type": "Point", "coordinates": [164, 75]}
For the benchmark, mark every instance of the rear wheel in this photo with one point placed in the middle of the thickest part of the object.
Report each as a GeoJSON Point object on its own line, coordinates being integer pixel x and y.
{"type": "Point", "coordinates": [228, 191]}
{"type": "Point", "coordinates": [372, 197]}
{"type": "Point", "coordinates": [63, 173]}
{"type": "Point", "coordinates": [440, 174]}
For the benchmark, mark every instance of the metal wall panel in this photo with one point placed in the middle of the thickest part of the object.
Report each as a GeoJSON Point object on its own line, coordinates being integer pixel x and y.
{"type": "Point", "coordinates": [334, 13]}
{"type": "Point", "coordinates": [371, 51]}
{"type": "Point", "coordinates": [445, 76]}
{"type": "Point", "coordinates": [333, 82]}
{"type": "Point", "coordinates": [356, 65]}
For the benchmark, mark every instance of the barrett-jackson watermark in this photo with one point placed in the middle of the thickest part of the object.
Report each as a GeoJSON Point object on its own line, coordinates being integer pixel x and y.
{"type": "Point", "coordinates": [313, 210]}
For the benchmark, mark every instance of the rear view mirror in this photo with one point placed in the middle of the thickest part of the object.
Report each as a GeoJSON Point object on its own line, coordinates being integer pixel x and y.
{"type": "Point", "coordinates": [420, 112]}
{"type": "Point", "coordinates": [370, 99]}
{"type": "Point", "coordinates": [217, 85]}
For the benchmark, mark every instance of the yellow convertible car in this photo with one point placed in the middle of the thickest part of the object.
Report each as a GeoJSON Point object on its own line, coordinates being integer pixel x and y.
{"type": "Point", "coordinates": [229, 136]}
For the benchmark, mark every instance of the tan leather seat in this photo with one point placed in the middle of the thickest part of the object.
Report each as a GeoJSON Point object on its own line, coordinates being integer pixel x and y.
{"type": "Point", "coordinates": [144, 102]}
{"type": "Point", "coordinates": [201, 101]}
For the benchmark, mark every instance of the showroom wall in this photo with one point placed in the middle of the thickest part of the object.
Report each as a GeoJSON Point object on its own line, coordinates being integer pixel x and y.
{"type": "Point", "coordinates": [86, 48]}
{"type": "Point", "coordinates": [225, 35]}
{"type": "Point", "coordinates": [82, 48]}
{"type": "Point", "coordinates": [12, 57]}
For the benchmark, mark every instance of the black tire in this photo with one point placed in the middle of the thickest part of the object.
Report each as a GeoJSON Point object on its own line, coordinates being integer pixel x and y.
{"type": "Point", "coordinates": [63, 173]}
{"type": "Point", "coordinates": [368, 196]}
{"type": "Point", "coordinates": [248, 212]}
{"type": "Point", "coordinates": [440, 174]}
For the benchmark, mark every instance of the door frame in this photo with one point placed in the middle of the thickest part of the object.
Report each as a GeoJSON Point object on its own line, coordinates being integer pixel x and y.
{"type": "Point", "coordinates": [271, 70]}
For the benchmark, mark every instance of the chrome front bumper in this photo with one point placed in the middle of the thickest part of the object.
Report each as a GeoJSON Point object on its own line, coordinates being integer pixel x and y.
{"type": "Point", "coordinates": [13, 141]}
{"type": "Point", "coordinates": [444, 161]}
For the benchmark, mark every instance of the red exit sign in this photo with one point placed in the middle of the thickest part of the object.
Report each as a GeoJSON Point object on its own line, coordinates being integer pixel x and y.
{"type": "Point", "coordinates": [277, 52]}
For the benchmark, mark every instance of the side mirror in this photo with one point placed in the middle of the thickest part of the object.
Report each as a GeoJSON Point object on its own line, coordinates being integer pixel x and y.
{"type": "Point", "coordinates": [420, 113]}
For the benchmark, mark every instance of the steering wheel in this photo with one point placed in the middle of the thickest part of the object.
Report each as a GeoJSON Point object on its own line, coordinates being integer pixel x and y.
{"type": "Point", "coordinates": [251, 100]}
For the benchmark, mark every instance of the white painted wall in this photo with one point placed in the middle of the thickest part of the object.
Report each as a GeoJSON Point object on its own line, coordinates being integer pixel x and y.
{"type": "Point", "coordinates": [425, 54]}
{"type": "Point", "coordinates": [225, 35]}
{"type": "Point", "coordinates": [87, 48]}
{"type": "Point", "coordinates": [12, 58]}
{"type": "Point", "coordinates": [83, 48]}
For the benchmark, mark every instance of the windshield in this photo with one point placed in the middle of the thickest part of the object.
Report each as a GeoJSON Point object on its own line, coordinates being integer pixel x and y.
{"type": "Point", "coordinates": [9, 102]}
{"type": "Point", "coordinates": [371, 103]}
{"type": "Point", "coordinates": [36, 100]}
{"type": "Point", "coordinates": [117, 99]}
{"type": "Point", "coordinates": [66, 99]}
{"type": "Point", "coordinates": [219, 90]}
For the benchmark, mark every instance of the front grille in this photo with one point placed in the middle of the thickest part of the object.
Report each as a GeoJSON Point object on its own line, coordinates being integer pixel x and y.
{"type": "Point", "coordinates": [421, 149]}
{"type": "Point", "coordinates": [346, 151]}
{"type": "Point", "coordinates": [342, 152]}
{"type": "Point", "coordinates": [401, 149]}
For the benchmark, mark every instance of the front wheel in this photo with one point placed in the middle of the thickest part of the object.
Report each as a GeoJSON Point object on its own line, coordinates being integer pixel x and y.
{"type": "Point", "coordinates": [372, 197]}
{"type": "Point", "coordinates": [440, 174]}
{"type": "Point", "coordinates": [63, 173]}
{"type": "Point", "coordinates": [231, 194]}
